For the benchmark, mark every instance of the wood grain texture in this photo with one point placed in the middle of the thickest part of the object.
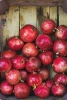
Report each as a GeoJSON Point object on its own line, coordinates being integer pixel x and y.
{"type": "Point", "coordinates": [11, 27]}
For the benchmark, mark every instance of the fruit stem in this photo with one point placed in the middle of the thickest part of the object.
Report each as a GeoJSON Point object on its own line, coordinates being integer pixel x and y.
{"type": "Point", "coordinates": [34, 87]}
{"type": "Point", "coordinates": [57, 29]}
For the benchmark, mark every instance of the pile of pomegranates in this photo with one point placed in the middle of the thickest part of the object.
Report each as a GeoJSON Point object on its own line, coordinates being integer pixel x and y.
{"type": "Point", "coordinates": [25, 65]}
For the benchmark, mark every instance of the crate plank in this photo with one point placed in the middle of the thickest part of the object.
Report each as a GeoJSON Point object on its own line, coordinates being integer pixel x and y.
{"type": "Point", "coordinates": [11, 27]}
{"type": "Point", "coordinates": [62, 17]}
{"type": "Point", "coordinates": [28, 15]}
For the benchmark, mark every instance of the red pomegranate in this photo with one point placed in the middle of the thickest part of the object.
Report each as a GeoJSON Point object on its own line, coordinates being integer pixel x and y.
{"type": "Point", "coordinates": [44, 42]}
{"type": "Point", "coordinates": [50, 83]}
{"type": "Point", "coordinates": [6, 88]}
{"type": "Point", "coordinates": [8, 54]}
{"type": "Point", "coordinates": [33, 64]}
{"type": "Point", "coordinates": [34, 79]}
{"type": "Point", "coordinates": [46, 57]}
{"type": "Point", "coordinates": [21, 90]}
{"type": "Point", "coordinates": [60, 65]}
{"type": "Point", "coordinates": [42, 91]}
{"type": "Point", "coordinates": [28, 33]}
{"type": "Point", "coordinates": [15, 43]}
{"type": "Point", "coordinates": [45, 73]}
{"type": "Point", "coordinates": [48, 26]}
{"type": "Point", "coordinates": [30, 50]}
{"type": "Point", "coordinates": [13, 76]}
{"type": "Point", "coordinates": [58, 90]}
{"type": "Point", "coordinates": [61, 32]}
{"type": "Point", "coordinates": [59, 48]}
{"type": "Point", "coordinates": [5, 65]}
{"type": "Point", "coordinates": [23, 74]}
{"type": "Point", "coordinates": [61, 78]}
{"type": "Point", "coordinates": [18, 62]}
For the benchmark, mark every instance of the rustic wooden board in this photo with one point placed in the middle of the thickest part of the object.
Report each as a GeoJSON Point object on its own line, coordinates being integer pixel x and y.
{"type": "Point", "coordinates": [11, 27]}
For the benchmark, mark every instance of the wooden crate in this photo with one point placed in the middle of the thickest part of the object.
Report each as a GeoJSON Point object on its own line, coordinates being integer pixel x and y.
{"type": "Point", "coordinates": [17, 17]}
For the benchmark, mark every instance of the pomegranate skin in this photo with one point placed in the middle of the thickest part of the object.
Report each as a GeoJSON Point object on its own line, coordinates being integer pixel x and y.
{"type": "Point", "coordinates": [46, 57]}
{"type": "Point", "coordinates": [59, 48]}
{"type": "Point", "coordinates": [44, 42]}
{"type": "Point", "coordinates": [18, 62]}
{"type": "Point", "coordinates": [61, 32]}
{"type": "Point", "coordinates": [58, 90]}
{"type": "Point", "coordinates": [24, 75]}
{"type": "Point", "coordinates": [15, 43]}
{"type": "Point", "coordinates": [5, 65]}
{"type": "Point", "coordinates": [45, 73]}
{"type": "Point", "coordinates": [30, 50]}
{"type": "Point", "coordinates": [8, 54]}
{"type": "Point", "coordinates": [34, 79]}
{"type": "Point", "coordinates": [60, 65]}
{"type": "Point", "coordinates": [50, 83]}
{"type": "Point", "coordinates": [33, 64]}
{"type": "Point", "coordinates": [21, 90]}
{"type": "Point", "coordinates": [6, 88]}
{"type": "Point", "coordinates": [13, 77]}
{"type": "Point", "coordinates": [28, 33]}
{"type": "Point", "coordinates": [61, 78]}
{"type": "Point", "coordinates": [48, 26]}
{"type": "Point", "coordinates": [42, 91]}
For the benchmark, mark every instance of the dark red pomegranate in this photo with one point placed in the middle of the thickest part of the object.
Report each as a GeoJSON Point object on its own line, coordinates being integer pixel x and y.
{"type": "Point", "coordinates": [46, 57]}
{"type": "Point", "coordinates": [44, 42]}
{"type": "Point", "coordinates": [18, 62]}
{"type": "Point", "coordinates": [60, 48]}
{"type": "Point", "coordinates": [21, 90]}
{"type": "Point", "coordinates": [45, 73]}
{"type": "Point", "coordinates": [42, 91]}
{"type": "Point", "coordinates": [58, 90]}
{"type": "Point", "coordinates": [28, 33]}
{"type": "Point", "coordinates": [61, 78]}
{"type": "Point", "coordinates": [8, 54]}
{"type": "Point", "coordinates": [24, 75]}
{"type": "Point", "coordinates": [13, 76]}
{"type": "Point", "coordinates": [6, 88]}
{"type": "Point", "coordinates": [60, 65]}
{"type": "Point", "coordinates": [50, 83]}
{"type": "Point", "coordinates": [48, 26]}
{"type": "Point", "coordinates": [34, 79]}
{"type": "Point", "coordinates": [5, 65]}
{"type": "Point", "coordinates": [30, 50]}
{"type": "Point", "coordinates": [33, 64]}
{"type": "Point", "coordinates": [15, 43]}
{"type": "Point", "coordinates": [61, 32]}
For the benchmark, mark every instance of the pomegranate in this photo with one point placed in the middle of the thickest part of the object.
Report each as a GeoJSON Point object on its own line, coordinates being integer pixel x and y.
{"type": "Point", "coordinates": [13, 76]}
{"type": "Point", "coordinates": [44, 42]}
{"type": "Point", "coordinates": [15, 43]}
{"type": "Point", "coordinates": [60, 65]}
{"type": "Point", "coordinates": [5, 65]}
{"type": "Point", "coordinates": [18, 62]}
{"type": "Point", "coordinates": [21, 90]}
{"type": "Point", "coordinates": [34, 79]}
{"type": "Point", "coordinates": [45, 73]}
{"type": "Point", "coordinates": [24, 75]}
{"type": "Point", "coordinates": [61, 32]}
{"type": "Point", "coordinates": [28, 33]}
{"type": "Point", "coordinates": [46, 57]}
{"type": "Point", "coordinates": [48, 26]}
{"type": "Point", "coordinates": [60, 47]}
{"type": "Point", "coordinates": [61, 78]}
{"type": "Point", "coordinates": [3, 75]}
{"type": "Point", "coordinates": [50, 83]}
{"type": "Point", "coordinates": [58, 90]}
{"type": "Point", "coordinates": [30, 50]}
{"type": "Point", "coordinates": [33, 64]}
{"type": "Point", "coordinates": [6, 88]}
{"type": "Point", "coordinates": [8, 54]}
{"type": "Point", "coordinates": [42, 91]}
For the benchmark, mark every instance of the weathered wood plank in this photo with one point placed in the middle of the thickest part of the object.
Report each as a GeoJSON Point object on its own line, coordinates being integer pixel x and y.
{"type": "Point", "coordinates": [62, 17]}
{"type": "Point", "coordinates": [28, 15]}
{"type": "Point", "coordinates": [11, 27]}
